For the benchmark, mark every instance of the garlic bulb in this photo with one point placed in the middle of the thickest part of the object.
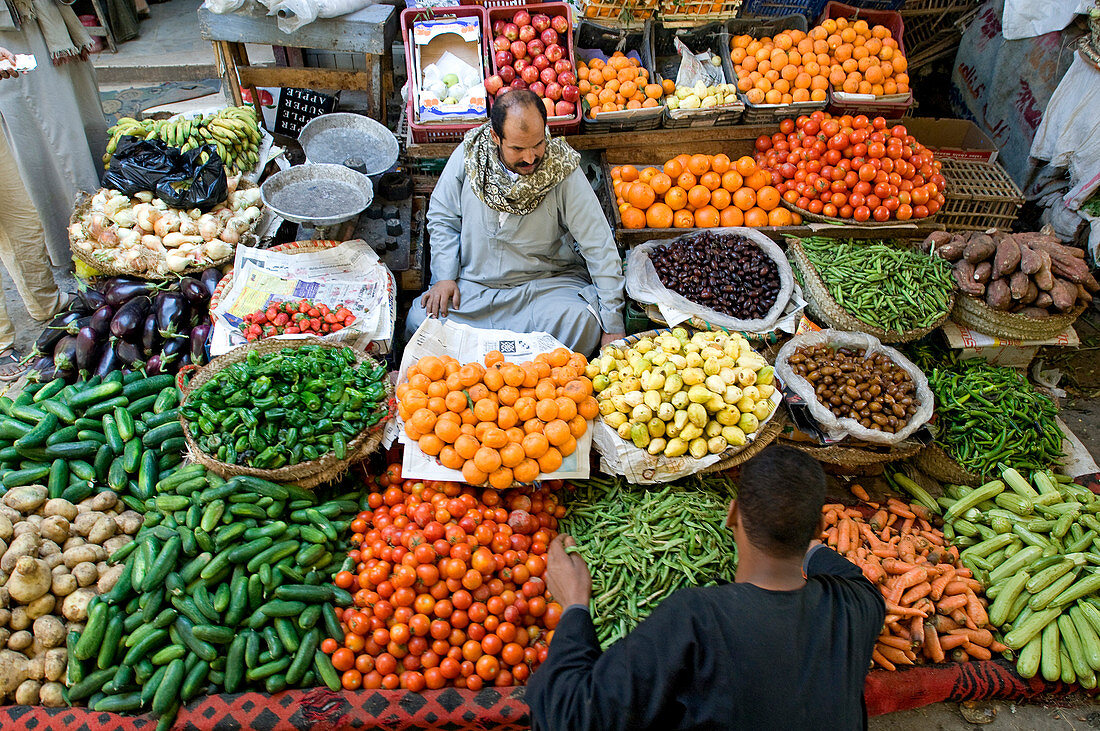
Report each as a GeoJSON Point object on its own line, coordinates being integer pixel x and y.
{"type": "Point", "coordinates": [195, 214]}
{"type": "Point", "coordinates": [109, 237]}
{"type": "Point", "coordinates": [176, 263]}
{"type": "Point", "coordinates": [144, 196]}
{"type": "Point", "coordinates": [99, 200]}
{"type": "Point", "coordinates": [166, 224]}
{"type": "Point", "coordinates": [124, 217]}
{"type": "Point", "coordinates": [188, 226]}
{"type": "Point", "coordinates": [115, 204]}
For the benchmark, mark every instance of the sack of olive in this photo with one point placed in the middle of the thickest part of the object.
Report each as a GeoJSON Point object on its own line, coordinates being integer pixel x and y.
{"type": "Point", "coordinates": [1027, 273]}
{"type": "Point", "coordinates": [734, 278]}
{"type": "Point", "coordinates": [855, 386]}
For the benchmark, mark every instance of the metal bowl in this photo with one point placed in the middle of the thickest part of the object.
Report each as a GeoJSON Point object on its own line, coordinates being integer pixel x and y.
{"type": "Point", "coordinates": [334, 138]}
{"type": "Point", "coordinates": [317, 194]}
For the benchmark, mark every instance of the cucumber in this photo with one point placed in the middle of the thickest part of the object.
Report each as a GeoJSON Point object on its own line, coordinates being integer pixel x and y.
{"type": "Point", "coordinates": [195, 680]}
{"type": "Point", "coordinates": [49, 390]}
{"type": "Point", "coordinates": [303, 659]}
{"type": "Point", "coordinates": [169, 688]}
{"type": "Point", "coordinates": [120, 702]}
{"type": "Point", "coordinates": [30, 414]}
{"type": "Point", "coordinates": [105, 407]}
{"type": "Point", "coordinates": [168, 398]}
{"type": "Point", "coordinates": [148, 473]}
{"type": "Point", "coordinates": [26, 476]}
{"type": "Point", "coordinates": [58, 479]}
{"type": "Point", "coordinates": [124, 421]}
{"type": "Point", "coordinates": [148, 386]}
{"type": "Point", "coordinates": [169, 654]}
{"type": "Point", "coordinates": [140, 406]}
{"type": "Point", "coordinates": [36, 437]}
{"type": "Point", "coordinates": [62, 411]}
{"type": "Point", "coordinates": [214, 634]}
{"type": "Point", "coordinates": [155, 436]}
{"type": "Point", "coordinates": [163, 418]}
{"type": "Point", "coordinates": [90, 684]}
{"type": "Point", "coordinates": [116, 475]}
{"type": "Point", "coordinates": [234, 663]}
{"type": "Point", "coordinates": [95, 394]}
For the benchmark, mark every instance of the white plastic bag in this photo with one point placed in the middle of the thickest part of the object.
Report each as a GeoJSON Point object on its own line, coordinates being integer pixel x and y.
{"type": "Point", "coordinates": [224, 6]}
{"type": "Point", "coordinates": [293, 14]}
{"type": "Point", "coordinates": [838, 428]}
{"type": "Point", "coordinates": [643, 284]}
{"type": "Point", "coordinates": [696, 67]}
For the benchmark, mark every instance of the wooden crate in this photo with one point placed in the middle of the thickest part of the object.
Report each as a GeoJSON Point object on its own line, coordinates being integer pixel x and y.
{"type": "Point", "coordinates": [979, 195]}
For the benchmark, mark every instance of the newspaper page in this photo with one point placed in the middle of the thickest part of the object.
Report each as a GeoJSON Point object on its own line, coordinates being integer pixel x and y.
{"type": "Point", "coordinates": [467, 344]}
{"type": "Point", "coordinates": [350, 275]}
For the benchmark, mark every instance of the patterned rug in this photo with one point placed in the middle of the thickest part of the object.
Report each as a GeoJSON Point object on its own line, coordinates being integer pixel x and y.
{"type": "Point", "coordinates": [130, 102]}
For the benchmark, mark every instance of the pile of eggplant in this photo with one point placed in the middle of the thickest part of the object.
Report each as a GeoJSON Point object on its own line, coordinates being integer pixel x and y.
{"type": "Point", "coordinates": [128, 324]}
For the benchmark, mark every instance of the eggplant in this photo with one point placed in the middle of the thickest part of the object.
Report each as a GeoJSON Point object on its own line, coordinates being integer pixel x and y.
{"type": "Point", "coordinates": [175, 347]}
{"type": "Point", "coordinates": [171, 311]}
{"type": "Point", "coordinates": [42, 369]}
{"type": "Point", "coordinates": [127, 320]}
{"type": "Point", "coordinates": [193, 290]}
{"type": "Point", "coordinates": [64, 353]}
{"type": "Point", "coordinates": [93, 299]}
{"type": "Point", "coordinates": [184, 360]}
{"type": "Point", "coordinates": [150, 336]}
{"type": "Point", "coordinates": [54, 332]}
{"type": "Point", "coordinates": [199, 336]}
{"type": "Point", "coordinates": [87, 345]}
{"type": "Point", "coordinates": [72, 328]}
{"type": "Point", "coordinates": [121, 290]}
{"type": "Point", "coordinates": [156, 365]}
{"type": "Point", "coordinates": [129, 352]}
{"type": "Point", "coordinates": [109, 360]}
{"type": "Point", "coordinates": [101, 320]}
{"type": "Point", "coordinates": [210, 279]}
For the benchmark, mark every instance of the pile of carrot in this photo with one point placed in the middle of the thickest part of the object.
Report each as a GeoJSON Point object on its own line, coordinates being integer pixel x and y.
{"type": "Point", "coordinates": [934, 611]}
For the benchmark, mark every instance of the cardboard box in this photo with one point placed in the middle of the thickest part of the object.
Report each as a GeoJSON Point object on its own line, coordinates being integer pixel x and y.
{"type": "Point", "coordinates": [450, 42]}
{"type": "Point", "coordinates": [999, 351]}
{"type": "Point", "coordinates": [958, 139]}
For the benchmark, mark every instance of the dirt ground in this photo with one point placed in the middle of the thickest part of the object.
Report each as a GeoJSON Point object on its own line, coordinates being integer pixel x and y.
{"type": "Point", "coordinates": [1072, 714]}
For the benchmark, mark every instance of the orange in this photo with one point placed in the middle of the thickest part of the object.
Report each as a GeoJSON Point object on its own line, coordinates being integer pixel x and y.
{"type": "Point", "coordinates": [511, 454]}
{"type": "Point", "coordinates": [779, 217]}
{"type": "Point", "coordinates": [673, 168]}
{"type": "Point", "coordinates": [547, 409]}
{"type": "Point", "coordinates": [432, 367]}
{"type": "Point", "coordinates": [535, 445]}
{"type": "Point", "coordinates": [526, 471]}
{"type": "Point", "coordinates": [472, 474]}
{"type": "Point", "coordinates": [588, 408]}
{"type": "Point", "coordinates": [494, 436]}
{"type": "Point", "coordinates": [659, 215]}
{"type": "Point", "coordinates": [653, 91]}
{"type": "Point", "coordinates": [686, 180]}
{"type": "Point", "coordinates": [720, 163]}
{"type": "Point", "coordinates": [454, 382]}
{"type": "Point", "coordinates": [470, 373]}
{"type": "Point", "coordinates": [467, 445]}
{"type": "Point", "coordinates": [430, 444]}
{"type": "Point", "coordinates": [558, 357]}
{"type": "Point", "coordinates": [423, 420]}
{"type": "Point", "coordinates": [487, 459]}
{"type": "Point", "coordinates": [732, 180]}
{"type": "Point", "coordinates": [699, 164]}
{"type": "Point", "coordinates": [758, 180]}
{"type": "Point", "coordinates": [744, 198]}
{"type": "Point", "coordinates": [485, 410]}
{"type": "Point", "coordinates": [501, 478]}
{"type": "Point", "coordinates": [756, 217]}
{"type": "Point", "coordinates": [647, 174]}
{"type": "Point", "coordinates": [420, 382]}
{"type": "Point", "coordinates": [550, 461]}
{"type": "Point", "coordinates": [514, 434]}
{"type": "Point", "coordinates": [706, 217]}
{"type": "Point", "coordinates": [676, 198]}
{"type": "Point", "coordinates": [683, 218]}
{"type": "Point", "coordinates": [710, 180]}
{"type": "Point", "coordinates": [567, 407]}
{"type": "Point", "coordinates": [767, 197]}
{"type": "Point", "coordinates": [437, 404]}
{"type": "Point", "coordinates": [568, 447]}
{"type": "Point", "coordinates": [513, 374]}
{"type": "Point", "coordinates": [479, 391]}
{"type": "Point", "coordinates": [660, 183]}
{"type": "Point", "coordinates": [720, 199]}
{"type": "Point", "coordinates": [449, 458]}
{"type": "Point", "coordinates": [698, 196]}
{"type": "Point", "coordinates": [447, 430]}
{"type": "Point", "coordinates": [641, 197]}
{"type": "Point", "coordinates": [578, 425]}
{"type": "Point", "coordinates": [745, 165]}
{"type": "Point", "coordinates": [493, 379]}
{"type": "Point", "coordinates": [632, 217]}
{"type": "Point", "coordinates": [577, 390]}
{"type": "Point", "coordinates": [456, 401]}
{"type": "Point", "coordinates": [507, 417]}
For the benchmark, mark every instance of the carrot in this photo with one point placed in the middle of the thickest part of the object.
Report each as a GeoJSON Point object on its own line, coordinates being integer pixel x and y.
{"type": "Point", "coordinates": [951, 603]}
{"type": "Point", "coordinates": [932, 538]}
{"type": "Point", "coordinates": [961, 586]}
{"type": "Point", "coordinates": [975, 611]}
{"type": "Point", "coordinates": [894, 655]}
{"type": "Point", "coordinates": [873, 572]}
{"type": "Point", "coordinates": [844, 537]}
{"type": "Point", "coordinates": [878, 658]}
{"type": "Point", "coordinates": [891, 641]}
{"type": "Point", "coordinates": [916, 592]}
{"type": "Point", "coordinates": [981, 637]}
{"type": "Point", "coordinates": [943, 623]}
{"type": "Point", "coordinates": [995, 646]}
{"type": "Point", "coordinates": [898, 508]}
{"type": "Point", "coordinates": [941, 583]}
{"type": "Point", "coordinates": [897, 566]}
{"type": "Point", "coordinates": [964, 572]}
{"type": "Point", "coordinates": [859, 492]}
{"type": "Point", "coordinates": [932, 646]}
{"type": "Point", "coordinates": [830, 537]}
{"type": "Point", "coordinates": [977, 651]}
{"type": "Point", "coordinates": [923, 515]}
{"type": "Point", "coordinates": [951, 641]}
{"type": "Point", "coordinates": [853, 513]}
{"type": "Point", "coordinates": [909, 578]}
{"type": "Point", "coordinates": [907, 525]}
{"type": "Point", "coordinates": [916, 632]}
{"type": "Point", "coordinates": [891, 518]}
{"type": "Point", "coordinates": [878, 521]}
{"type": "Point", "coordinates": [892, 608]}
{"type": "Point", "coordinates": [959, 655]}
{"type": "Point", "coordinates": [962, 618]}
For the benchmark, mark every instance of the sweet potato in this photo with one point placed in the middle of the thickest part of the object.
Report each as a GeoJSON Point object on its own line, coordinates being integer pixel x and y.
{"type": "Point", "coordinates": [1035, 313]}
{"type": "Point", "coordinates": [1030, 261]}
{"type": "Point", "coordinates": [1044, 278]}
{"type": "Point", "coordinates": [1064, 294]}
{"type": "Point", "coordinates": [952, 250]}
{"type": "Point", "coordinates": [964, 277]}
{"type": "Point", "coordinates": [1031, 294]}
{"type": "Point", "coordinates": [1083, 294]}
{"type": "Point", "coordinates": [935, 240]}
{"type": "Point", "coordinates": [1017, 285]}
{"type": "Point", "coordinates": [1007, 258]}
{"type": "Point", "coordinates": [998, 295]}
{"type": "Point", "coordinates": [983, 272]}
{"type": "Point", "coordinates": [1044, 300]}
{"type": "Point", "coordinates": [979, 249]}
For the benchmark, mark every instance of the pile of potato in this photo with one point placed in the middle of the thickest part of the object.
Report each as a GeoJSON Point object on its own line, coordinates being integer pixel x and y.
{"type": "Point", "coordinates": [53, 560]}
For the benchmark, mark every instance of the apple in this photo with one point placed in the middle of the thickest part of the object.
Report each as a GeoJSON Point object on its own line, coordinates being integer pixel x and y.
{"type": "Point", "coordinates": [518, 84]}
{"type": "Point", "coordinates": [502, 58]}
{"type": "Point", "coordinates": [559, 23]}
{"type": "Point", "coordinates": [494, 83]}
{"type": "Point", "coordinates": [540, 62]}
{"type": "Point", "coordinates": [510, 31]}
{"type": "Point", "coordinates": [527, 33]}
{"type": "Point", "coordinates": [548, 75]}
{"type": "Point", "coordinates": [549, 107]}
{"type": "Point", "coordinates": [535, 47]}
{"type": "Point", "coordinates": [507, 74]}
{"type": "Point", "coordinates": [530, 74]}
{"type": "Point", "coordinates": [520, 64]}
{"type": "Point", "coordinates": [553, 91]}
{"type": "Point", "coordinates": [522, 18]}
{"type": "Point", "coordinates": [564, 109]}
{"type": "Point", "coordinates": [498, 26]}
{"type": "Point", "coordinates": [561, 65]}
{"type": "Point", "coordinates": [501, 43]}
{"type": "Point", "coordinates": [571, 93]}
{"type": "Point", "coordinates": [567, 78]}
{"type": "Point", "coordinates": [538, 88]}
{"type": "Point", "coordinates": [554, 52]}
{"type": "Point", "coordinates": [549, 36]}
{"type": "Point", "coordinates": [519, 49]}
{"type": "Point", "coordinates": [541, 21]}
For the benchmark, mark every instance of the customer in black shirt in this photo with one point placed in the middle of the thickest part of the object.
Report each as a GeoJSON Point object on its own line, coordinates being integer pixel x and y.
{"type": "Point", "coordinates": [787, 646]}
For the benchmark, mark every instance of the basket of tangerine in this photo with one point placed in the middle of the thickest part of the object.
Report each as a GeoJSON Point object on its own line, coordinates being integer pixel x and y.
{"type": "Point", "coordinates": [498, 423]}
{"type": "Point", "coordinates": [616, 92]}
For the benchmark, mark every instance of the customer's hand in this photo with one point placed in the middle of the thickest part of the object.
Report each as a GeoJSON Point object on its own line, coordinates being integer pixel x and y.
{"type": "Point", "coordinates": [7, 73]}
{"type": "Point", "coordinates": [439, 297]}
{"type": "Point", "coordinates": [567, 574]}
{"type": "Point", "coordinates": [609, 338]}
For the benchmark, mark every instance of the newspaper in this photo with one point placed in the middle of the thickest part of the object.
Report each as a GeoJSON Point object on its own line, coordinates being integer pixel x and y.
{"type": "Point", "coordinates": [467, 344]}
{"type": "Point", "coordinates": [350, 275]}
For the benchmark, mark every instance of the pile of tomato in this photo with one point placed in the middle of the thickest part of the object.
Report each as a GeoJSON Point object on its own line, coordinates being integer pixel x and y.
{"type": "Point", "coordinates": [852, 168]}
{"type": "Point", "coordinates": [448, 586]}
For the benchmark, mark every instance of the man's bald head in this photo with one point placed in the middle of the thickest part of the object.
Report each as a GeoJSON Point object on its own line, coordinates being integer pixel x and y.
{"type": "Point", "coordinates": [518, 121]}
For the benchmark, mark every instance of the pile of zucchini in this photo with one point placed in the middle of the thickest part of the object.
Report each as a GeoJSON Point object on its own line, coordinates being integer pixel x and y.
{"type": "Point", "coordinates": [228, 584]}
{"type": "Point", "coordinates": [121, 432]}
{"type": "Point", "coordinates": [1037, 551]}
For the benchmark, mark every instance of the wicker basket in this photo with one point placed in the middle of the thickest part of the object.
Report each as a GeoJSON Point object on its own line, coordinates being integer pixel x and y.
{"type": "Point", "coordinates": [936, 463]}
{"type": "Point", "coordinates": [83, 205]}
{"type": "Point", "coordinates": [869, 223]}
{"type": "Point", "coordinates": [979, 196]}
{"type": "Point", "coordinates": [848, 456]}
{"type": "Point", "coordinates": [823, 304]}
{"type": "Point", "coordinates": [977, 315]}
{"type": "Point", "coordinates": [306, 475]}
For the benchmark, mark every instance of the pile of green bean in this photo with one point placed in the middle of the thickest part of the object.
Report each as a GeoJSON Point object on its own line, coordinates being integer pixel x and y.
{"type": "Point", "coordinates": [988, 415]}
{"type": "Point", "coordinates": [641, 545]}
{"type": "Point", "coordinates": [889, 287]}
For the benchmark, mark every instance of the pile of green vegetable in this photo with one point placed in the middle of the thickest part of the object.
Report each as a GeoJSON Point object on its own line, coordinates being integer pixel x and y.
{"type": "Point", "coordinates": [883, 285]}
{"type": "Point", "coordinates": [642, 545]}
{"type": "Point", "coordinates": [228, 584]}
{"type": "Point", "coordinates": [286, 407]}
{"type": "Point", "coordinates": [1037, 550]}
{"type": "Point", "coordinates": [122, 432]}
{"type": "Point", "coordinates": [988, 415]}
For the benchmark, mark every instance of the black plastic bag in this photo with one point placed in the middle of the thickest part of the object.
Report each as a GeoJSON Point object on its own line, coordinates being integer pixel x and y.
{"type": "Point", "coordinates": [180, 179]}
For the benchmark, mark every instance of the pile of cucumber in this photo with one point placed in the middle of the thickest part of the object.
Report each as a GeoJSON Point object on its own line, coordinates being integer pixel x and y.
{"type": "Point", "coordinates": [1037, 551]}
{"type": "Point", "coordinates": [226, 587]}
{"type": "Point", "coordinates": [121, 432]}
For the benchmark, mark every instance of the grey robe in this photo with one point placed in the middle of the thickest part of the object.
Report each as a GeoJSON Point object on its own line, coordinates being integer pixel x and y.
{"type": "Point", "coordinates": [541, 271]}
{"type": "Point", "coordinates": [54, 124]}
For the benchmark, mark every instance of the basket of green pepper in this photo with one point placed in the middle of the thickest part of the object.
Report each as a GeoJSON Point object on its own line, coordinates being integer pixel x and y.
{"type": "Point", "coordinates": [291, 411]}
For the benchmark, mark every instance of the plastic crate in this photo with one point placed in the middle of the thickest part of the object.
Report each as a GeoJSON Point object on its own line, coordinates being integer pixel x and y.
{"type": "Point", "coordinates": [560, 125]}
{"type": "Point", "coordinates": [808, 8]}
{"type": "Point", "coordinates": [893, 106]}
{"type": "Point", "coordinates": [435, 131]}
{"type": "Point", "coordinates": [690, 13]}
{"type": "Point", "coordinates": [594, 40]}
{"type": "Point", "coordinates": [979, 196]}
{"type": "Point", "coordinates": [712, 37]}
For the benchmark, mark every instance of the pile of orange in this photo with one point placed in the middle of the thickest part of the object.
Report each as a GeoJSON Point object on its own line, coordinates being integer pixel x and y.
{"type": "Point", "coordinates": [796, 66]}
{"type": "Point", "coordinates": [502, 422]}
{"type": "Point", "coordinates": [699, 191]}
{"type": "Point", "coordinates": [617, 84]}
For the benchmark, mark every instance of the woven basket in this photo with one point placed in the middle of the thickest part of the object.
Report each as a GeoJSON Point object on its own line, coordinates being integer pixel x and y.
{"type": "Point", "coordinates": [846, 456]}
{"type": "Point", "coordinates": [83, 205]}
{"type": "Point", "coordinates": [823, 304]}
{"type": "Point", "coordinates": [938, 465]}
{"type": "Point", "coordinates": [869, 223]}
{"type": "Point", "coordinates": [304, 474]}
{"type": "Point", "coordinates": [976, 314]}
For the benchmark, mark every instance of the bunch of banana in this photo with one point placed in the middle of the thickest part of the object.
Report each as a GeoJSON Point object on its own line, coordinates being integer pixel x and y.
{"type": "Point", "coordinates": [232, 131]}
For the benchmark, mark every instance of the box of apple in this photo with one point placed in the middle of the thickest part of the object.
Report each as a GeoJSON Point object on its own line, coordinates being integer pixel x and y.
{"type": "Point", "coordinates": [532, 49]}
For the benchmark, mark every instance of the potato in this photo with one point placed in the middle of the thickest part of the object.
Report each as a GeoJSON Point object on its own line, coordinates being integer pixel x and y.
{"type": "Point", "coordinates": [54, 560]}
{"type": "Point", "coordinates": [60, 506]}
{"type": "Point", "coordinates": [52, 695]}
{"type": "Point", "coordinates": [63, 584]}
{"type": "Point", "coordinates": [5, 615]}
{"type": "Point", "coordinates": [73, 542]}
{"type": "Point", "coordinates": [19, 619]}
{"type": "Point", "coordinates": [41, 606]}
{"type": "Point", "coordinates": [81, 554]}
{"type": "Point", "coordinates": [101, 502]}
{"type": "Point", "coordinates": [55, 528]}
{"type": "Point", "coordinates": [103, 529]}
{"type": "Point", "coordinates": [20, 641]}
{"type": "Point", "coordinates": [5, 528]}
{"type": "Point", "coordinates": [56, 663]}
{"type": "Point", "coordinates": [116, 542]}
{"type": "Point", "coordinates": [108, 578]}
{"type": "Point", "coordinates": [49, 631]}
{"type": "Point", "coordinates": [26, 499]}
{"type": "Point", "coordinates": [11, 514]}
{"type": "Point", "coordinates": [85, 573]}
{"type": "Point", "coordinates": [84, 523]}
{"type": "Point", "coordinates": [25, 544]}
{"type": "Point", "coordinates": [75, 606]}
{"type": "Point", "coordinates": [27, 692]}
{"type": "Point", "coordinates": [129, 521]}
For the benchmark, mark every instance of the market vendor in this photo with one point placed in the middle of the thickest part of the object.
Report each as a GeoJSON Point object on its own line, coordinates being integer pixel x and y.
{"type": "Point", "coordinates": [518, 239]}
{"type": "Point", "coordinates": [787, 645]}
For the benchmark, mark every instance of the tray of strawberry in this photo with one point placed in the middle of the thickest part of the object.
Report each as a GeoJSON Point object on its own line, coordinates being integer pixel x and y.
{"type": "Point", "coordinates": [295, 316]}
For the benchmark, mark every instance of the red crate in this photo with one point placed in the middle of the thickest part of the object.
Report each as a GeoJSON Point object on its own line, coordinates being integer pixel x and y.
{"type": "Point", "coordinates": [558, 125]}
{"type": "Point", "coordinates": [893, 106]}
{"type": "Point", "coordinates": [436, 131]}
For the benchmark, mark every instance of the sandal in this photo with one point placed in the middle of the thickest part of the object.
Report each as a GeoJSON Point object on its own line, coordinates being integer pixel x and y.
{"type": "Point", "coordinates": [11, 367]}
